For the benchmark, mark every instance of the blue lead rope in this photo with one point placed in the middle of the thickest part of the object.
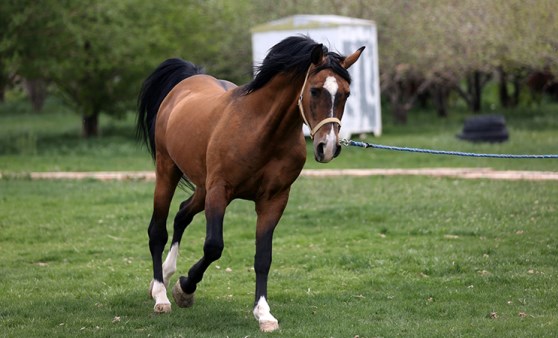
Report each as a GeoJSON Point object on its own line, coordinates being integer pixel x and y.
{"type": "Point", "coordinates": [346, 142]}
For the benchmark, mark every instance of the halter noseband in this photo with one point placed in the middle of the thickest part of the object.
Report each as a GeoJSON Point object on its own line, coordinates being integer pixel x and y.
{"type": "Point", "coordinates": [314, 130]}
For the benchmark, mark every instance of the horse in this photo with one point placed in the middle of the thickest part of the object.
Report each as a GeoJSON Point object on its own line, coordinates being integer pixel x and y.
{"type": "Point", "coordinates": [236, 142]}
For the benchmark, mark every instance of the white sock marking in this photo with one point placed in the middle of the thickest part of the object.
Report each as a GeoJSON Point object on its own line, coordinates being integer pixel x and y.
{"type": "Point", "coordinates": [159, 293]}
{"type": "Point", "coordinates": [169, 266]}
{"type": "Point", "coordinates": [262, 312]}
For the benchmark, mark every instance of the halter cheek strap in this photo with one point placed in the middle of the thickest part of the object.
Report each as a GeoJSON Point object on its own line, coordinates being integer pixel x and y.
{"type": "Point", "coordinates": [314, 130]}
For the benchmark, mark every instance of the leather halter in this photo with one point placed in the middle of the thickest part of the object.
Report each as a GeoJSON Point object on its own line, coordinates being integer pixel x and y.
{"type": "Point", "coordinates": [314, 130]}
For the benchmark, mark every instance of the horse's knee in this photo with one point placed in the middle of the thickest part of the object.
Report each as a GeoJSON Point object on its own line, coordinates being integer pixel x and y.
{"type": "Point", "coordinates": [212, 249]}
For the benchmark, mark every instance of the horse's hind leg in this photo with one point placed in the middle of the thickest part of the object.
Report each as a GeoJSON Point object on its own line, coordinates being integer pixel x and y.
{"type": "Point", "coordinates": [167, 179]}
{"type": "Point", "coordinates": [215, 203]}
{"type": "Point", "coordinates": [188, 209]}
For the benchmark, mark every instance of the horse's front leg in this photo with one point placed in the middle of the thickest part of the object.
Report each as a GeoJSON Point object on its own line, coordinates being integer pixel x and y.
{"type": "Point", "coordinates": [269, 212]}
{"type": "Point", "coordinates": [216, 202]}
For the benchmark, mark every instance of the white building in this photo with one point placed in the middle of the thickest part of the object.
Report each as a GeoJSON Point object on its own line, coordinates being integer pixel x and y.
{"type": "Point", "coordinates": [343, 35]}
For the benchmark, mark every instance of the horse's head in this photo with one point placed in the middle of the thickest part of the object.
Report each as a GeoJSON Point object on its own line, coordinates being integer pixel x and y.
{"type": "Point", "coordinates": [322, 99]}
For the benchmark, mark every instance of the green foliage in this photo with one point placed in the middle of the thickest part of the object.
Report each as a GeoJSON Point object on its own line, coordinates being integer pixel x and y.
{"type": "Point", "coordinates": [106, 55]}
{"type": "Point", "coordinates": [97, 53]}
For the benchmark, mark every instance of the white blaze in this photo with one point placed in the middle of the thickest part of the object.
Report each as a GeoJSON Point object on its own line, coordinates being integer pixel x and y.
{"type": "Point", "coordinates": [331, 86]}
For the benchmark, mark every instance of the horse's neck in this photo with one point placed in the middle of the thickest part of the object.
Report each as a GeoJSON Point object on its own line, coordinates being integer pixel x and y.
{"type": "Point", "coordinates": [276, 103]}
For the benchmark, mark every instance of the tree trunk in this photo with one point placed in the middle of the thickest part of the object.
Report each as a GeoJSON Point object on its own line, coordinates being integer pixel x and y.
{"type": "Point", "coordinates": [398, 108]}
{"type": "Point", "coordinates": [516, 90]}
{"type": "Point", "coordinates": [505, 100]}
{"type": "Point", "coordinates": [37, 91]}
{"type": "Point", "coordinates": [474, 88]}
{"type": "Point", "coordinates": [4, 82]}
{"type": "Point", "coordinates": [400, 113]}
{"type": "Point", "coordinates": [91, 125]}
{"type": "Point", "coordinates": [403, 93]}
{"type": "Point", "coordinates": [440, 95]}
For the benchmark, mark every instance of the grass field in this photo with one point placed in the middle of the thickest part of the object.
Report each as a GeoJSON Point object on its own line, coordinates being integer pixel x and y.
{"type": "Point", "coordinates": [52, 142]}
{"type": "Point", "coordinates": [379, 257]}
{"type": "Point", "coordinates": [383, 257]}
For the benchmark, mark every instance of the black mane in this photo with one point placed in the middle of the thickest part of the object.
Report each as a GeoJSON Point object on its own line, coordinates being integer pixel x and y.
{"type": "Point", "coordinates": [292, 55]}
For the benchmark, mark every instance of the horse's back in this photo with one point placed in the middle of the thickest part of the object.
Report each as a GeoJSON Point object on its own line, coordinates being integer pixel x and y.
{"type": "Point", "coordinates": [198, 87]}
{"type": "Point", "coordinates": [187, 118]}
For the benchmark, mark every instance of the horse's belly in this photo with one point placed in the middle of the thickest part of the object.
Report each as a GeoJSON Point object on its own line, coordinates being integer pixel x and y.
{"type": "Point", "coordinates": [187, 135]}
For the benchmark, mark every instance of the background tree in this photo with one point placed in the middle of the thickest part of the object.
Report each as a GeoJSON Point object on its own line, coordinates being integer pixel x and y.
{"type": "Point", "coordinates": [104, 49]}
{"type": "Point", "coordinates": [95, 54]}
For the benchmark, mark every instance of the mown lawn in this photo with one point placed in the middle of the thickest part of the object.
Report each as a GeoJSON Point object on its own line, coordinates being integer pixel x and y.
{"type": "Point", "coordinates": [373, 257]}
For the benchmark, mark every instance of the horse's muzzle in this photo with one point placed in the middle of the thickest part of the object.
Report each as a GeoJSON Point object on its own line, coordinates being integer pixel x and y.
{"type": "Point", "coordinates": [326, 151]}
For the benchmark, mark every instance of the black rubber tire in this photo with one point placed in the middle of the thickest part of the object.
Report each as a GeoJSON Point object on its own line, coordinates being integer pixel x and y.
{"type": "Point", "coordinates": [485, 128]}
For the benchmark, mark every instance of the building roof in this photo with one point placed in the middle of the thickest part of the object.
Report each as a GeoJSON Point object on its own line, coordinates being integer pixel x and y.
{"type": "Point", "coordinates": [296, 22]}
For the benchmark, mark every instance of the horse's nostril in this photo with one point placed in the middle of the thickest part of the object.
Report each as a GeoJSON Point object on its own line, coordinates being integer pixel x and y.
{"type": "Point", "coordinates": [337, 151]}
{"type": "Point", "coordinates": [320, 151]}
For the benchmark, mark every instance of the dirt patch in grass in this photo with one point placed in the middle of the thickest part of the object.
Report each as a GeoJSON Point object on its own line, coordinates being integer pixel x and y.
{"type": "Point", "coordinates": [466, 173]}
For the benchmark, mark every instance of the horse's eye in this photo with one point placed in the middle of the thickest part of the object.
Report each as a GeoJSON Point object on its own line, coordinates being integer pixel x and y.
{"type": "Point", "coordinates": [314, 92]}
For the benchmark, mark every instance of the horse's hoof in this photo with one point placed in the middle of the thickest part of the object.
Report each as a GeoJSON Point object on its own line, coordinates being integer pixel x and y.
{"type": "Point", "coordinates": [162, 308]}
{"type": "Point", "coordinates": [182, 298]}
{"type": "Point", "coordinates": [269, 326]}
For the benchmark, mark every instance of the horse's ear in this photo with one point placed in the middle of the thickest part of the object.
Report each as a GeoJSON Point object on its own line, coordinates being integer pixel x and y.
{"type": "Point", "coordinates": [349, 60]}
{"type": "Point", "coordinates": [317, 54]}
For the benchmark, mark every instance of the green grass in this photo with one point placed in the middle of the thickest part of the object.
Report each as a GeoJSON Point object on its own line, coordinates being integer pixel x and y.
{"type": "Point", "coordinates": [530, 133]}
{"type": "Point", "coordinates": [383, 256]}
{"type": "Point", "coordinates": [52, 142]}
{"type": "Point", "coordinates": [374, 257]}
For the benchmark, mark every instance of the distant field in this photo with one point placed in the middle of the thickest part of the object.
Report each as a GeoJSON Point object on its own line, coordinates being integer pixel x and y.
{"type": "Point", "coordinates": [52, 142]}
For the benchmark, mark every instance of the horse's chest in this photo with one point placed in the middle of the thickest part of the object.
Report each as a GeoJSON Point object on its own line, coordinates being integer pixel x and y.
{"type": "Point", "coordinates": [253, 171]}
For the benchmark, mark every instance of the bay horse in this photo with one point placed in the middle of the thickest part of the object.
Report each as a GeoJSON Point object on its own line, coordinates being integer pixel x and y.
{"type": "Point", "coordinates": [232, 142]}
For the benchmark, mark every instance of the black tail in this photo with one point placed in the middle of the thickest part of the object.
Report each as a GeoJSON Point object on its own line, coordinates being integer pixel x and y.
{"type": "Point", "coordinates": [154, 90]}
